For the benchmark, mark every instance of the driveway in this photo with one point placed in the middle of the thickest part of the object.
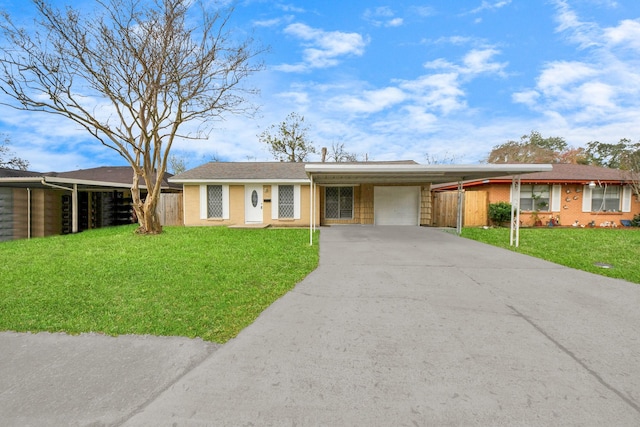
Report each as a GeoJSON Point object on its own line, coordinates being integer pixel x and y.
{"type": "Point", "coordinates": [412, 326]}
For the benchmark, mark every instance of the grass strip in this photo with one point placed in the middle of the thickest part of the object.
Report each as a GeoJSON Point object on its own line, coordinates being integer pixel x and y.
{"type": "Point", "coordinates": [207, 282]}
{"type": "Point", "coordinates": [580, 248]}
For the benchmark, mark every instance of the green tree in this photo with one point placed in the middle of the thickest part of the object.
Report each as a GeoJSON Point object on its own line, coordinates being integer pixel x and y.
{"type": "Point", "coordinates": [132, 74]}
{"type": "Point", "coordinates": [624, 155]}
{"type": "Point", "coordinates": [8, 160]}
{"type": "Point", "coordinates": [532, 148]}
{"type": "Point", "coordinates": [288, 140]}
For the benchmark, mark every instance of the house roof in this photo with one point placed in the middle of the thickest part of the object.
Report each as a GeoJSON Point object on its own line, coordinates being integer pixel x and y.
{"type": "Point", "coordinates": [230, 171]}
{"type": "Point", "coordinates": [256, 171]}
{"type": "Point", "coordinates": [560, 173]}
{"type": "Point", "coordinates": [94, 178]}
{"type": "Point", "coordinates": [404, 171]}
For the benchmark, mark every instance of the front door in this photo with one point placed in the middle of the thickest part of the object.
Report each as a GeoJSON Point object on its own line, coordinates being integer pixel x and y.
{"type": "Point", "coordinates": [253, 204]}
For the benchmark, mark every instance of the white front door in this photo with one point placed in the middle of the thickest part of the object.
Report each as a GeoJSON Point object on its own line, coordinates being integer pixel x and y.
{"type": "Point", "coordinates": [253, 204]}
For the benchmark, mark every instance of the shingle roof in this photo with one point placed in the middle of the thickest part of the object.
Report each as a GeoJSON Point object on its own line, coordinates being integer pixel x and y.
{"type": "Point", "coordinates": [14, 173]}
{"type": "Point", "coordinates": [115, 174]}
{"type": "Point", "coordinates": [570, 172]}
{"type": "Point", "coordinates": [253, 171]}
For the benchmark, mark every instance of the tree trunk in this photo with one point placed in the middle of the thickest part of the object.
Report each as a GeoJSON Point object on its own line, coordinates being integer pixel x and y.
{"type": "Point", "coordinates": [148, 220]}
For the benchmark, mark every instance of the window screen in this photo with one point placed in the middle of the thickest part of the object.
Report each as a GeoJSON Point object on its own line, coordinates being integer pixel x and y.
{"type": "Point", "coordinates": [338, 202]}
{"type": "Point", "coordinates": [285, 201]}
{"type": "Point", "coordinates": [214, 201]}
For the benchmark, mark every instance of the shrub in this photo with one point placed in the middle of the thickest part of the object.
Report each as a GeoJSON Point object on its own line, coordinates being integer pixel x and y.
{"type": "Point", "coordinates": [500, 212]}
{"type": "Point", "coordinates": [636, 220]}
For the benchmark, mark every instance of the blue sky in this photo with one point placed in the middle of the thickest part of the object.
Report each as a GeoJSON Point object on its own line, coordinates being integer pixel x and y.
{"type": "Point", "coordinates": [406, 80]}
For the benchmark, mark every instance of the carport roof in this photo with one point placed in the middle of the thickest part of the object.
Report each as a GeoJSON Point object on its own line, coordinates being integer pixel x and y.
{"type": "Point", "coordinates": [341, 174]}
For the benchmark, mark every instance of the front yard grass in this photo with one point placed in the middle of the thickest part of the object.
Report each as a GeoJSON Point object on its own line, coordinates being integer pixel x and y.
{"type": "Point", "coordinates": [579, 248]}
{"type": "Point", "coordinates": [207, 282]}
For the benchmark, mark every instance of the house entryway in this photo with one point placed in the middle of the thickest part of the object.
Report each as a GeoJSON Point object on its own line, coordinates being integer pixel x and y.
{"type": "Point", "coordinates": [253, 204]}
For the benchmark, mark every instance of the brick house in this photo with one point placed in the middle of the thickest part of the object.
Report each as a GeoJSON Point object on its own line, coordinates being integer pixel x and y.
{"type": "Point", "coordinates": [569, 194]}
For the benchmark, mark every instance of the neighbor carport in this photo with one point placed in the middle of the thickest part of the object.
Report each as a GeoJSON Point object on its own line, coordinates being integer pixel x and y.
{"type": "Point", "coordinates": [401, 206]}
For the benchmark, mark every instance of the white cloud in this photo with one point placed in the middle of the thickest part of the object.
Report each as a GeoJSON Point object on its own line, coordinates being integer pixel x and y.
{"type": "Point", "coordinates": [382, 16]}
{"type": "Point", "coordinates": [474, 62]}
{"type": "Point", "coordinates": [371, 101]}
{"type": "Point", "coordinates": [627, 33]}
{"type": "Point", "coordinates": [486, 5]}
{"type": "Point", "coordinates": [603, 84]}
{"type": "Point", "coordinates": [322, 48]}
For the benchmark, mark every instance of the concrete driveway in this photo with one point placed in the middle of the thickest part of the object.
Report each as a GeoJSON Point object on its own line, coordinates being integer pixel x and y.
{"type": "Point", "coordinates": [398, 326]}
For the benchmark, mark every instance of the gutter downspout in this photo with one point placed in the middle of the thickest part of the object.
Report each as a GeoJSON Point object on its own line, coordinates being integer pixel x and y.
{"type": "Point", "coordinates": [74, 202]}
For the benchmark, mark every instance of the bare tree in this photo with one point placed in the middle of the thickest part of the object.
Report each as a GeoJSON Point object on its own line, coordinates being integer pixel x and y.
{"type": "Point", "coordinates": [444, 159]}
{"type": "Point", "coordinates": [177, 164]}
{"type": "Point", "coordinates": [339, 154]}
{"type": "Point", "coordinates": [132, 74]}
{"type": "Point", "coordinates": [6, 159]}
{"type": "Point", "coordinates": [288, 140]}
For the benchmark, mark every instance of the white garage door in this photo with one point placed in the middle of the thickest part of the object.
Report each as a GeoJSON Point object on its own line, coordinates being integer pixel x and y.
{"type": "Point", "coordinates": [396, 205]}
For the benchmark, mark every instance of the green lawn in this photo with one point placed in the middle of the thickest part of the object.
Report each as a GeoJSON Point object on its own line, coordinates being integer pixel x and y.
{"type": "Point", "coordinates": [580, 248]}
{"type": "Point", "coordinates": [207, 282]}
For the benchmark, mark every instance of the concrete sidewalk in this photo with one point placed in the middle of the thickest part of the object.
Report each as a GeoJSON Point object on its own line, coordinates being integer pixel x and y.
{"type": "Point", "coordinates": [397, 326]}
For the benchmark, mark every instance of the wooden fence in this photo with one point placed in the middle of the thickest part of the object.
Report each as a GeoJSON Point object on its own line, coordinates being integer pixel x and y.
{"type": "Point", "coordinates": [170, 209]}
{"type": "Point", "coordinates": [474, 212]}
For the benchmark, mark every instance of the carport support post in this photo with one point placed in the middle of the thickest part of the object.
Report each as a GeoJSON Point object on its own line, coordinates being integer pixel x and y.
{"type": "Point", "coordinates": [514, 235]}
{"type": "Point", "coordinates": [460, 202]}
{"type": "Point", "coordinates": [311, 216]}
{"type": "Point", "coordinates": [74, 209]}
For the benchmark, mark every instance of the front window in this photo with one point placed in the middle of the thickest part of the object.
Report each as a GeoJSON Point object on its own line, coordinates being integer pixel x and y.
{"type": "Point", "coordinates": [534, 197]}
{"type": "Point", "coordinates": [338, 202]}
{"type": "Point", "coordinates": [214, 201]}
{"type": "Point", "coordinates": [605, 198]}
{"type": "Point", "coordinates": [285, 201]}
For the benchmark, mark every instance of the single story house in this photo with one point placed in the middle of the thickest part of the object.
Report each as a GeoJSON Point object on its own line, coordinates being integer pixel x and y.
{"type": "Point", "coordinates": [569, 194]}
{"type": "Point", "coordinates": [310, 194]}
{"type": "Point", "coordinates": [35, 204]}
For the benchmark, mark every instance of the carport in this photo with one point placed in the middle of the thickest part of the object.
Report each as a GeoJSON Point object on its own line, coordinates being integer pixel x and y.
{"type": "Point", "coordinates": [342, 174]}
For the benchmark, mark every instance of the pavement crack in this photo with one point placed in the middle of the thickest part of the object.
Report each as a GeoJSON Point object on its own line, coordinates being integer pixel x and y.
{"type": "Point", "coordinates": [569, 353]}
{"type": "Point", "coordinates": [193, 365]}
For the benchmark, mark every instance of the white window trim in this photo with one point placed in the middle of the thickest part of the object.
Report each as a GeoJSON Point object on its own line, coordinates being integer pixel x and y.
{"type": "Point", "coordinates": [203, 202]}
{"type": "Point", "coordinates": [556, 194]}
{"type": "Point", "coordinates": [275, 202]}
{"type": "Point", "coordinates": [625, 202]}
{"type": "Point", "coordinates": [586, 199]}
{"type": "Point", "coordinates": [626, 198]}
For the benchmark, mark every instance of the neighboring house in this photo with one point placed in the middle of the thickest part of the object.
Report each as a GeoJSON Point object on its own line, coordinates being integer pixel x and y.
{"type": "Point", "coordinates": [306, 194]}
{"type": "Point", "coordinates": [35, 204]}
{"type": "Point", "coordinates": [568, 195]}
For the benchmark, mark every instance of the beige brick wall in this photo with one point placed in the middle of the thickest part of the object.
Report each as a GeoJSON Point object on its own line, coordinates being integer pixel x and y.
{"type": "Point", "coordinates": [237, 208]}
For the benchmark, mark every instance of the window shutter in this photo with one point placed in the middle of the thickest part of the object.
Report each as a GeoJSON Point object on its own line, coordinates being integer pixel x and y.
{"type": "Point", "coordinates": [586, 199]}
{"type": "Point", "coordinates": [296, 202]}
{"type": "Point", "coordinates": [274, 202]}
{"type": "Point", "coordinates": [626, 198]}
{"type": "Point", "coordinates": [556, 194]}
{"type": "Point", "coordinates": [225, 202]}
{"type": "Point", "coordinates": [203, 202]}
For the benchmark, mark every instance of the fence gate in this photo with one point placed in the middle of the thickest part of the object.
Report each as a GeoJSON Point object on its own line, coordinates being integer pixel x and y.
{"type": "Point", "coordinates": [170, 209]}
{"type": "Point", "coordinates": [475, 211]}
